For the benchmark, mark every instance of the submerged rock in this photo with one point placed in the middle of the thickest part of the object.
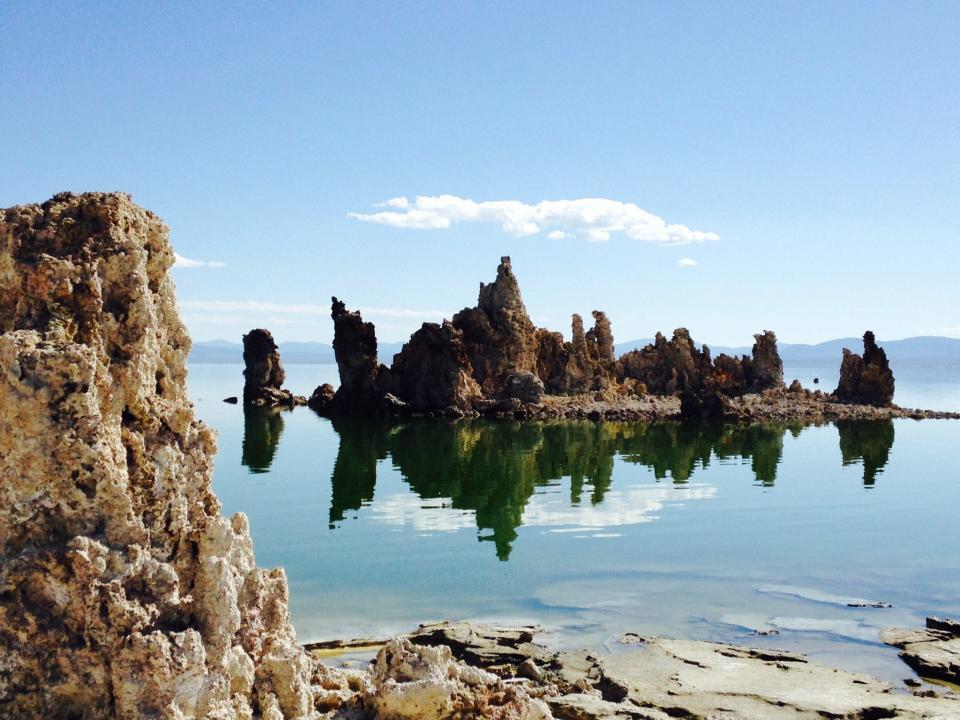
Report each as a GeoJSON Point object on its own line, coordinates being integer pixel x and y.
{"type": "Point", "coordinates": [123, 591]}
{"type": "Point", "coordinates": [868, 379]}
{"type": "Point", "coordinates": [264, 373]}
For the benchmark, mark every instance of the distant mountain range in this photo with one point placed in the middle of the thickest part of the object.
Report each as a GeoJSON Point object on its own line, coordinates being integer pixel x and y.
{"type": "Point", "coordinates": [926, 349]}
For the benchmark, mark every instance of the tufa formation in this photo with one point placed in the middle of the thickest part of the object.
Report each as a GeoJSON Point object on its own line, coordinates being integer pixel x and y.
{"type": "Point", "coordinates": [264, 374]}
{"type": "Point", "coordinates": [123, 590]}
{"type": "Point", "coordinates": [491, 359]}
{"type": "Point", "coordinates": [866, 380]}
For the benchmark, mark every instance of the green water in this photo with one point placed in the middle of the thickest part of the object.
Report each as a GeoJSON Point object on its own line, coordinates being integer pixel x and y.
{"type": "Point", "coordinates": [593, 530]}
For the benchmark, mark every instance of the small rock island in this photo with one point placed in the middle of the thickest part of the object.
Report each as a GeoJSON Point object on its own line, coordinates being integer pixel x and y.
{"type": "Point", "coordinates": [491, 360]}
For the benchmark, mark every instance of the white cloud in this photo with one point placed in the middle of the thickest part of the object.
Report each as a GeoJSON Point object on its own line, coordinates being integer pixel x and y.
{"type": "Point", "coordinates": [397, 202]}
{"type": "Point", "coordinates": [631, 505]}
{"type": "Point", "coordinates": [594, 219]}
{"type": "Point", "coordinates": [181, 262]}
{"type": "Point", "coordinates": [246, 306]}
{"type": "Point", "coordinates": [686, 263]}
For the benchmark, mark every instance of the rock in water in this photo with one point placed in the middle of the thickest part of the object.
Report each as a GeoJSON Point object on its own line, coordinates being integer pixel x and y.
{"type": "Point", "coordinates": [432, 371]}
{"type": "Point", "coordinates": [498, 335]}
{"type": "Point", "coordinates": [667, 366]}
{"type": "Point", "coordinates": [868, 379]}
{"type": "Point", "coordinates": [766, 367]}
{"type": "Point", "coordinates": [525, 387]}
{"type": "Point", "coordinates": [263, 373]}
{"type": "Point", "coordinates": [123, 591]}
{"type": "Point", "coordinates": [355, 348]}
{"type": "Point", "coordinates": [321, 397]}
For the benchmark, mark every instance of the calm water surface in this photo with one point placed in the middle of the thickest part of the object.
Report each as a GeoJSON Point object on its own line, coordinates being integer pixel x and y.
{"type": "Point", "coordinates": [593, 530]}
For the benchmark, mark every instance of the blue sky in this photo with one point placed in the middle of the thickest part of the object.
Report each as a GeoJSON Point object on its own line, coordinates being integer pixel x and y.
{"type": "Point", "coordinates": [819, 142]}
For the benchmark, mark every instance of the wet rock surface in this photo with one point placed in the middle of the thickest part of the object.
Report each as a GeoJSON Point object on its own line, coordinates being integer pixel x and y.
{"type": "Point", "coordinates": [656, 678]}
{"type": "Point", "coordinates": [933, 652]}
{"type": "Point", "coordinates": [264, 374]}
{"type": "Point", "coordinates": [123, 590]}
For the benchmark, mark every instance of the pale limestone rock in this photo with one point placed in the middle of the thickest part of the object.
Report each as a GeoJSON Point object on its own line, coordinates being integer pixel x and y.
{"type": "Point", "coordinates": [413, 682]}
{"type": "Point", "coordinates": [123, 591]}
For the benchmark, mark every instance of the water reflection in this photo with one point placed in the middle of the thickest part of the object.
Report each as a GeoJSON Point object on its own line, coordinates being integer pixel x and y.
{"type": "Point", "coordinates": [868, 441]}
{"type": "Point", "coordinates": [487, 474]}
{"type": "Point", "coordinates": [261, 434]}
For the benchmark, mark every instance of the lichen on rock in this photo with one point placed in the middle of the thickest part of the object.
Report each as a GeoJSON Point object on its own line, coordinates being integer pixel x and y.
{"type": "Point", "coordinates": [123, 590]}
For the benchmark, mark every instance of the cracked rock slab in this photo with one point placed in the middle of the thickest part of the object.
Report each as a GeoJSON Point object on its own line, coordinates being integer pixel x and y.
{"type": "Point", "coordinates": [933, 652]}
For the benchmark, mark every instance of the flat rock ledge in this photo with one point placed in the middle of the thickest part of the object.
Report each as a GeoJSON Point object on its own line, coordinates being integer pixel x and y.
{"type": "Point", "coordinates": [652, 678]}
{"type": "Point", "coordinates": [933, 652]}
{"type": "Point", "coordinates": [770, 405]}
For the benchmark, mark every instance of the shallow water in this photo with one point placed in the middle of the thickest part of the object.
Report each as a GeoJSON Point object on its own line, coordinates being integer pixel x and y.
{"type": "Point", "coordinates": [594, 530]}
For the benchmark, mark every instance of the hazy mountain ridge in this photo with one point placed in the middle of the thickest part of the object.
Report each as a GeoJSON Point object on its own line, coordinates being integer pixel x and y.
{"type": "Point", "coordinates": [926, 348]}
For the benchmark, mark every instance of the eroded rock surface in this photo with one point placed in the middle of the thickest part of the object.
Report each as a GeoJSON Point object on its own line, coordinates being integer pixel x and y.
{"type": "Point", "coordinates": [498, 335]}
{"type": "Point", "coordinates": [418, 682]}
{"type": "Point", "coordinates": [491, 360]}
{"type": "Point", "coordinates": [433, 370]}
{"type": "Point", "coordinates": [765, 369]}
{"type": "Point", "coordinates": [866, 379]}
{"type": "Point", "coordinates": [660, 678]}
{"type": "Point", "coordinates": [355, 349]}
{"type": "Point", "coordinates": [123, 590]}
{"type": "Point", "coordinates": [934, 652]}
{"type": "Point", "coordinates": [667, 366]}
{"type": "Point", "coordinates": [264, 374]}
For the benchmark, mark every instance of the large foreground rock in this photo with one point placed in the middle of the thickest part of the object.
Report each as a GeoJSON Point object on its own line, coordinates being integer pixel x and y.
{"type": "Point", "coordinates": [123, 590]}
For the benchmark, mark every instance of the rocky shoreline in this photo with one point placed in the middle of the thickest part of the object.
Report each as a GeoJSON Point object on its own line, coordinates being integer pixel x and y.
{"type": "Point", "coordinates": [758, 407]}
{"type": "Point", "coordinates": [471, 670]}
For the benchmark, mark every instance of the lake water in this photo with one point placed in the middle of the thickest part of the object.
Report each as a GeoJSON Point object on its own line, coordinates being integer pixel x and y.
{"type": "Point", "coordinates": [596, 529]}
